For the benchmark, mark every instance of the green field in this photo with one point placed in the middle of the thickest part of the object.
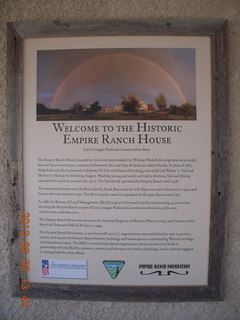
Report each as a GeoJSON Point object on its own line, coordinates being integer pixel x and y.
{"type": "Point", "coordinates": [114, 116]}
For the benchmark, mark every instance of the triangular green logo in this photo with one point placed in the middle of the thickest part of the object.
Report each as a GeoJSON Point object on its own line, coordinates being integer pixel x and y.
{"type": "Point", "coordinates": [113, 267]}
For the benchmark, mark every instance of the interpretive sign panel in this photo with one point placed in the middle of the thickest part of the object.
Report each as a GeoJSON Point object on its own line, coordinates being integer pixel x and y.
{"type": "Point", "coordinates": [118, 173]}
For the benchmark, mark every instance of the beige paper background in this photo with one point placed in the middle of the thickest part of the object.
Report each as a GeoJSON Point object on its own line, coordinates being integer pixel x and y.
{"type": "Point", "coordinates": [193, 142]}
{"type": "Point", "coordinates": [22, 10]}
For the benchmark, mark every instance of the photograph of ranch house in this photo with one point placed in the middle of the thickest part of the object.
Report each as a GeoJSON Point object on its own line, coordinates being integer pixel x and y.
{"type": "Point", "coordinates": [116, 84]}
{"type": "Point", "coordinates": [143, 108]}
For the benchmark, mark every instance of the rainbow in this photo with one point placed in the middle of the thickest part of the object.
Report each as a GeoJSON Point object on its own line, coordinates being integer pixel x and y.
{"type": "Point", "coordinates": [98, 57]}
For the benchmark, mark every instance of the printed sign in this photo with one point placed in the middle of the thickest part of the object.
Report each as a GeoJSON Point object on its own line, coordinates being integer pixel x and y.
{"type": "Point", "coordinates": [118, 141]}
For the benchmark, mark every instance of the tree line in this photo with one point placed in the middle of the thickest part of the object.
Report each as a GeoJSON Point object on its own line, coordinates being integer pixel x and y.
{"type": "Point", "coordinates": [130, 104]}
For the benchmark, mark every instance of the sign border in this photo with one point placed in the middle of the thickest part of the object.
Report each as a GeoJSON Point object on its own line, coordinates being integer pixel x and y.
{"type": "Point", "coordinates": [217, 31]}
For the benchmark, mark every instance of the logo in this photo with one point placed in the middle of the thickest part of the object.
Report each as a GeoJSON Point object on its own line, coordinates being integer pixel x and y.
{"type": "Point", "coordinates": [113, 267]}
{"type": "Point", "coordinates": [45, 267]}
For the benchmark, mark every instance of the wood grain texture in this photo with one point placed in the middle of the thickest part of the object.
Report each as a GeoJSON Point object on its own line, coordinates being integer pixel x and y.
{"type": "Point", "coordinates": [14, 147]}
{"type": "Point", "coordinates": [220, 159]}
{"type": "Point", "coordinates": [61, 28]}
{"type": "Point", "coordinates": [217, 30]}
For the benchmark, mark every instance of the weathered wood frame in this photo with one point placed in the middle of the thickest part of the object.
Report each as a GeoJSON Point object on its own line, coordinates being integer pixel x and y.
{"type": "Point", "coordinates": [217, 31]}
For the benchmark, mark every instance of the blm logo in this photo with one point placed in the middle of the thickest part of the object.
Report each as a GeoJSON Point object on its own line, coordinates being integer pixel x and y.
{"type": "Point", "coordinates": [113, 267]}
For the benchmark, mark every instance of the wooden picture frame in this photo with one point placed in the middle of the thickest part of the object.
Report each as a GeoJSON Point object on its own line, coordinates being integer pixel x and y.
{"type": "Point", "coordinates": [216, 30]}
